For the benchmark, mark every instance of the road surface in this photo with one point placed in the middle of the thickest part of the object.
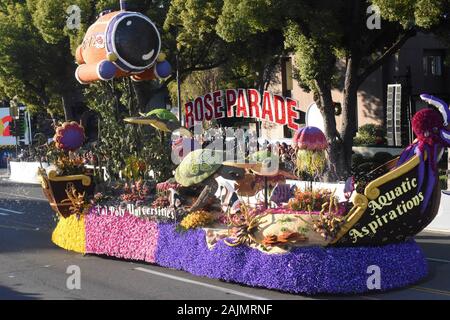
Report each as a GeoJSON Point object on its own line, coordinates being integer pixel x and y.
{"type": "Point", "coordinates": [32, 267]}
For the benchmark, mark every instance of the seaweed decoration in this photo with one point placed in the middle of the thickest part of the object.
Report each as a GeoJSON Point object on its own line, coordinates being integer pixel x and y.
{"type": "Point", "coordinates": [245, 227]}
{"type": "Point", "coordinates": [330, 221]}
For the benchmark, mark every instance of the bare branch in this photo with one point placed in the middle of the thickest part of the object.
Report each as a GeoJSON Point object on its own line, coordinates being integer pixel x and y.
{"type": "Point", "coordinates": [383, 58]}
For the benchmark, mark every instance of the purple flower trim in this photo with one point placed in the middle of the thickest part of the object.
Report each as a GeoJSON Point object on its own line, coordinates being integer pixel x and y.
{"type": "Point", "coordinates": [311, 270]}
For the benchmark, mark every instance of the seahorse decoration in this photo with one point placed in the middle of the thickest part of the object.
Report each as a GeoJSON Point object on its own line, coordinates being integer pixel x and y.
{"type": "Point", "coordinates": [431, 126]}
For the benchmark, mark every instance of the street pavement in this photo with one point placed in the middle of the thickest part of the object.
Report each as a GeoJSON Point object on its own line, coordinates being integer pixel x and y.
{"type": "Point", "coordinates": [32, 267]}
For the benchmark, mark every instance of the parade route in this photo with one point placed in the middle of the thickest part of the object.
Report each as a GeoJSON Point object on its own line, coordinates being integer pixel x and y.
{"type": "Point", "coordinates": [32, 267]}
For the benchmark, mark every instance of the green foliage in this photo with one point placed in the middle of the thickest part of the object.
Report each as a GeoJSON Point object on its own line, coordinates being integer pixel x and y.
{"type": "Point", "coordinates": [422, 13]}
{"type": "Point", "coordinates": [120, 141]}
{"type": "Point", "coordinates": [135, 168]}
{"type": "Point", "coordinates": [315, 61]}
{"type": "Point", "coordinates": [370, 134]}
{"type": "Point", "coordinates": [443, 181]}
{"type": "Point", "coordinates": [197, 28]}
{"type": "Point", "coordinates": [382, 157]}
{"type": "Point", "coordinates": [362, 165]}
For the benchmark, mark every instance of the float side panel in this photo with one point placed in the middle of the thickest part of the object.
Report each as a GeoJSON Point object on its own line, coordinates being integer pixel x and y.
{"type": "Point", "coordinates": [69, 234]}
{"type": "Point", "coordinates": [126, 236]}
{"type": "Point", "coordinates": [312, 270]}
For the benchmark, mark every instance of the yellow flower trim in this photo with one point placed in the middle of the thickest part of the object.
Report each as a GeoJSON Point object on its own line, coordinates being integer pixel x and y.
{"type": "Point", "coordinates": [197, 219]}
{"type": "Point", "coordinates": [70, 233]}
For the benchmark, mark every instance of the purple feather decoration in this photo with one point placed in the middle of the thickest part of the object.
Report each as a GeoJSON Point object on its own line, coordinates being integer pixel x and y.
{"type": "Point", "coordinates": [407, 154]}
{"type": "Point", "coordinates": [430, 185]}
{"type": "Point", "coordinates": [421, 169]}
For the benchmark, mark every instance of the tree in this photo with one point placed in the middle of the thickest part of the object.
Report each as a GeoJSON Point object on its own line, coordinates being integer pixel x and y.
{"type": "Point", "coordinates": [37, 52]}
{"type": "Point", "coordinates": [36, 69]}
{"type": "Point", "coordinates": [191, 28]}
{"type": "Point", "coordinates": [321, 33]}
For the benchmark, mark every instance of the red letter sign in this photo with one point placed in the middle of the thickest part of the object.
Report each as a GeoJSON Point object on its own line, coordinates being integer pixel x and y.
{"type": "Point", "coordinates": [292, 114]}
{"type": "Point", "coordinates": [242, 104]}
{"type": "Point", "coordinates": [255, 103]}
{"type": "Point", "coordinates": [279, 106]}
{"type": "Point", "coordinates": [231, 97]}
{"type": "Point", "coordinates": [267, 111]}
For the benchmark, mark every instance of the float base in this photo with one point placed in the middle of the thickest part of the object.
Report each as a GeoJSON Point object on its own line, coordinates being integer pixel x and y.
{"type": "Point", "coordinates": [304, 270]}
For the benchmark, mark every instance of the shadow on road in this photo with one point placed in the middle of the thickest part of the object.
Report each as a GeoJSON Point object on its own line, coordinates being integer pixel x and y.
{"type": "Point", "coordinates": [10, 294]}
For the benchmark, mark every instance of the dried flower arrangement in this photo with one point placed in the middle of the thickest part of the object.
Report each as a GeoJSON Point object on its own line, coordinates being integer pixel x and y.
{"type": "Point", "coordinates": [309, 200]}
{"type": "Point", "coordinates": [161, 202]}
{"type": "Point", "coordinates": [330, 219]}
{"type": "Point", "coordinates": [243, 226]}
{"type": "Point", "coordinates": [135, 191]}
{"type": "Point", "coordinates": [197, 219]}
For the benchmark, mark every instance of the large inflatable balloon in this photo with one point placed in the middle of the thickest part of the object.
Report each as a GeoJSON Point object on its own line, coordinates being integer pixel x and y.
{"type": "Point", "coordinates": [121, 44]}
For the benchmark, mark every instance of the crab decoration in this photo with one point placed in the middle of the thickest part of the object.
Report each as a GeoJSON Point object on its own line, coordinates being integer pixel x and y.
{"type": "Point", "coordinates": [286, 238]}
{"type": "Point", "coordinates": [69, 136]}
{"type": "Point", "coordinates": [431, 126]}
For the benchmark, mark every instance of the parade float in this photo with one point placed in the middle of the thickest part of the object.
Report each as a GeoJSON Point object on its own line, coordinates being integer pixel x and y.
{"type": "Point", "coordinates": [208, 220]}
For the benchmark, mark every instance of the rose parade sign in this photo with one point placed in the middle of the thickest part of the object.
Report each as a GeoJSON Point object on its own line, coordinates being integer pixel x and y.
{"type": "Point", "coordinates": [243, 103]}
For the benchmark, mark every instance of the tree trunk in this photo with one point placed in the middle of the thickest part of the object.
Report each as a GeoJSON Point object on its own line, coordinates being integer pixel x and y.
{"type": "Point", "coordinates": [349, 110]}
{"type": "Point", "coordinates": [324, 101]}
{"type": "Point", "coordinates": [73, 101]}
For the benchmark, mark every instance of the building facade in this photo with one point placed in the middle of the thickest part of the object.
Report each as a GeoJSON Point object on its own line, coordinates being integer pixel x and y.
{"type": "Point", "coordinates": [418, 67]}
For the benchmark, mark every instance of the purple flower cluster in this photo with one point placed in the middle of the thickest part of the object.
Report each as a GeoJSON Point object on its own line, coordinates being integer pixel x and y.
{"type": "Point", "coordinates": [309, 270]}
{"type": "Point", "coordinates": [126, 236]}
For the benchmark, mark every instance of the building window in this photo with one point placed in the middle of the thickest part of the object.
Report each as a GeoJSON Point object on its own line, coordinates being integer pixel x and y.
{"type": "Point", "coordinates": [432, 63]}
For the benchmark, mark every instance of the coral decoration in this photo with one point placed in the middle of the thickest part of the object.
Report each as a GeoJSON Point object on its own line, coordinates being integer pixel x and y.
{"type": "Point", "coordinates": [69, 136]}
{"type": "Point", "coordinates": [161, 202]}
{"type": "Point", "coordinates": [135, 191]}
{"type": "Point", "coordinates": [167, 185]}
{"type": "Point", "coordinates": [310, 138]}
{"type": "Point", "coordinates": [77, 200]}
{"type": "Point", "coordinates": [244, 227]}
{"type": "Point", "coordinates": [284, 239]}
{"type": "Point", "coordinates": [307, 200]}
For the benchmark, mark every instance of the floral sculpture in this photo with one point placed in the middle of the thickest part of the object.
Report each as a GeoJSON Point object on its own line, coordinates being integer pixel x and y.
{"type": "Point", "coordinates": [311, 145]}
{"type": "Point", "coordinates": [69, 137]}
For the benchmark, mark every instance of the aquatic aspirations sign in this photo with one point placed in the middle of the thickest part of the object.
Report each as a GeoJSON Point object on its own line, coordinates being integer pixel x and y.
{"type": "Point", "coordinates": [242, 103]}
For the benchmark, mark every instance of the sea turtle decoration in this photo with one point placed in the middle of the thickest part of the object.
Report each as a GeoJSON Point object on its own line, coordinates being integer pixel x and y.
{"type": "Point", "coordinates": [200, 168]}
{"type": "Point", "coordinates": [160, 119]}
